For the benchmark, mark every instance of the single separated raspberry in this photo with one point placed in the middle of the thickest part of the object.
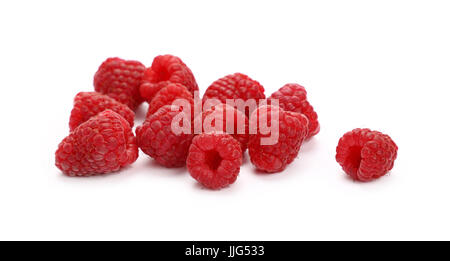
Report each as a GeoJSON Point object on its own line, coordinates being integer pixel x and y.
{"type": "Point", "coordinates": [88, 104]}
{"type": "Point", "coordinates": [102, 144]}
{"type": "Point", "coordinates": [292, 97]}
{"type": "Point", "coordinates": [214, 159]}
{"type": "Point", "coordinates": [120, 79]}
{"type": "Point", "coordinates": [156, 138]}
{"type": "Point", "coordinates": [165, 69]}
{"type": "Point", "coordinates": [167, 95]}
{"type": "Point", "coordinates": [235, 86]}
{"type": "Point", "coordinates": [236, 124]}
{"type": "Point", "coordinates": [285, 142]}
{"type": "Point", "coordinates": [365, 154]}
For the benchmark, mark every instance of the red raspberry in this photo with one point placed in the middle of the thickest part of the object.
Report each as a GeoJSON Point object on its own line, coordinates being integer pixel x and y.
{"type": "Point", "coordinates": [166, 68]}
{"type": "Point", "coordinates": [235, 86]}
{"type": "Point", "coordinates": [214, 159]}
{"type": "Point", "coordinates": [293, 128]}
{"type": "Point", "coordinates": [102, 144]}
{"type": "Point", "coordinates": [167, 95]}
{"type": "Point", "coordinates": [88, 104]}
{"type": "Point", "coordinates": [237, 124]}
{"type": "Point", "coordinates": [366, 155]}
{"type": "Point", "coordinates": [120, 79]}
{"type": "Point", "coordinates": [292, 97]}
{"type": "Point", "coordinates": [156, 138]}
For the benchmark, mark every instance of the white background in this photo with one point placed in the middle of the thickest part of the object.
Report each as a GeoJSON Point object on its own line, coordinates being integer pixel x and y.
{"type": "Point", "coordinates": [379, 64]}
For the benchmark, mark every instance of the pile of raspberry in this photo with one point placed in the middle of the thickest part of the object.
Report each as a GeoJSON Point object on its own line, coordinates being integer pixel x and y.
{"type": "Point", "coordinates": [180, 129]}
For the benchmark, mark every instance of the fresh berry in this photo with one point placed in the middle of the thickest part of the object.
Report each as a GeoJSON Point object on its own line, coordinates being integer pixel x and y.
{"type": "Point", "coordinates": [292, 97]}
{"type": "Point", "coordinates": [366, 155]}
{"type": "Point", "coordinates": [236, 124]}
{"type": "Point", "coordinates": [167, 95]}
{"type": "Point", "coordinates": [235, 86]}
{"type": "Point", "coordinates": [120, 79]}
{"type": "Point", "coordinates": [304, 122]}
{"type": "Point", "coordinates": [214, 159]}
{"type": "Point", "coordinates": [166, 68]}
{"type": "Point", "coordinates": [102, 144]}
{"type": "Point", "coordinates": [88, 104]}
{"type": "Point", "coordinates": [156, 138]}
{"type": "Point", "coordinates": [274, 154]}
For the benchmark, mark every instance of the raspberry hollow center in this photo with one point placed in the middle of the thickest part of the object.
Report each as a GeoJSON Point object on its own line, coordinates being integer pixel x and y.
{"type": "Point", "coordinates": [353, 158]}
{"type": "Point", "coordinates": [213, 159]}
{"type": "Point", "coordinates": [163, 75]}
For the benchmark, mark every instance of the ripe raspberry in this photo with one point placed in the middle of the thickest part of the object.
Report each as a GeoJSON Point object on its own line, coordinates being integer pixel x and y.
{"type": "Point", "coordinates": [166, 68]}
{"type": "Point", "coordinates": [120, 79]}
{"type": "Point", "coordinates": [167, 95]}
{"type": "Point", "coordinates": [236, 125]}
{"type": "Point", "coordinates": [292, 129]}
{"type": "Point", "coordinates": [102, 144]}
{"type": "Point", "coordinates": [292, 97]}
{"type": "Point", "coordinates": [235, 86]}
{"type": "Point", "coordinates": [214, 159]}
{"type": "Point", "coordinates": [88, 104]}
{"type": "Point", "coordinates": [366, 155]}
{"type": "Point", "coordinates": [156, 138]}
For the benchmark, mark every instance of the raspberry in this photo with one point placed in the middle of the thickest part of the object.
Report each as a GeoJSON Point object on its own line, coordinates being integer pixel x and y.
{"type": "Point", "coordinates": [214, 159]}
{"type": "Point", "coordinates": [166, 68]}
{"type": "Point", "coordinates": [156, 138]}
{"type": "Point", "coordinates": [235, 86]}
{"type": "Point", "coordinates": [366, 155]}
{"type": "Point", "coordinates": [236, 126]}
{"type": "Point", "coordinates": [120, 79]}
{"type": "Point", "coordinates": [292, 97]}
{"type": "Point", "coordinates": [292, 129]}
{"type": "Point", "coordinates": [88, 104]}
{"type": "Point", "coordinates": [169, 94]}
{"type": "Point", "coordinates": [102, 144]}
